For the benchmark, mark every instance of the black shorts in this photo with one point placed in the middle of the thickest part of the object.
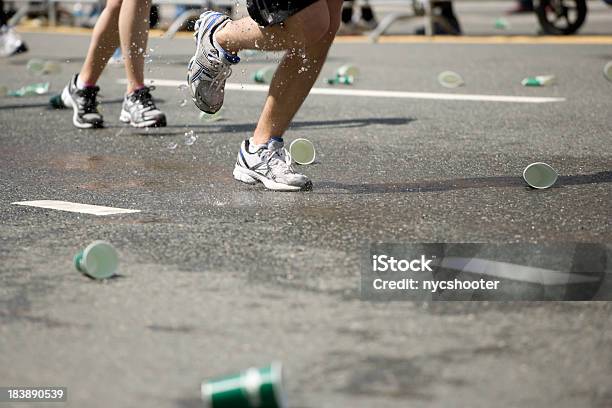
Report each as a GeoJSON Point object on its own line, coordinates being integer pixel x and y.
{"type": "Point", "coordinates": [268, 12]}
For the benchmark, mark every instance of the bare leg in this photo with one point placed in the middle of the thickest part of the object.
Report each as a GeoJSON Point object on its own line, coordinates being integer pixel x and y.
{"type": "Point", "coordinates": [307, 26]}
{"type": "Point", "coordinates": [104, 40]}
{"type": "Point", "coordinates": [134, 33]}
{"type": "Point", "coordinates": [293, 80]}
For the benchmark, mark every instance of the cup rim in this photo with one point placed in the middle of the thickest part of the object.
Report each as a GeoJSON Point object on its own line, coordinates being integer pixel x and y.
{"type": "Point", "coordinates": [544, 165]}
{"type": "Point", "coordinates": [93, 245]}
{"type": "Point", "coordinates": [314, 151]}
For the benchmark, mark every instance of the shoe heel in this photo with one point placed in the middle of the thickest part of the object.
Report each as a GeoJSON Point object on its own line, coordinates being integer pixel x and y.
{"type": "Point", "coordinates": [245, 178]}
{"type": "Point", "coordinates": [65, 97]}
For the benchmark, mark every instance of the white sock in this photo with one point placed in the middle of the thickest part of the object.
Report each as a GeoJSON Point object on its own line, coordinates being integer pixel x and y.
{"type": "Point", "coordinates": [80, 84]}
{"type": "Point", "coordinates": [232, 58]}
{"type": "Point", "coordinates": [252, 143]}
{"type": "Point", "coordinates": [216, 44]}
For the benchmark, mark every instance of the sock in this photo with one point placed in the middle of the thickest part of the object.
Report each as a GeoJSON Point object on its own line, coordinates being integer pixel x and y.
{"type": "Point", "coordinates": [255, 145]}
{"type": "Point", "coordinates": [82, 85]}
{"type": "Point", "coordinates": [134, 90]}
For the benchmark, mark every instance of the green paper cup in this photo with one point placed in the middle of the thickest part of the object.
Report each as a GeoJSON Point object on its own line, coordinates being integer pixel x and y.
{"type": "Point", "coordinates": [450, 79]}
{"type": "Point", "coordinates": [35, 66]}
{"type": "Point", "coordinates": [540, 175]}
{"type": "Point", "coordinates": [252, 388]}
{"type": "Point", "coordinates": [302, 151]}
{"type": "Point", "coordinates": [608, 71]}
{"type": "Point", "coordinates": [51, 67]}
{"type": "Point", "coordinates": [264, 75]}
{"type": "Point", "coordinates": [347, 70]}
{"type": "Point", "coordinates": [98, 261]}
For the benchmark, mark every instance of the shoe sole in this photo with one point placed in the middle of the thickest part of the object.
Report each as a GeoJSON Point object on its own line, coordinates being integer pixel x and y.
{"type": "Point", "coordinates": [125, 118]}
{"type": "Point", "coordinates": [251, 177]}
{"type": "Point", "coordinates": [69, 103]}
{"type": "Point", "coordinates": [197, 99]}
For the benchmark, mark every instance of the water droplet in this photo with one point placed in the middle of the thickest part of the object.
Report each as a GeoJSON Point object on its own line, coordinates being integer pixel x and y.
{"type": "Point", "coordinates": [190, 137]}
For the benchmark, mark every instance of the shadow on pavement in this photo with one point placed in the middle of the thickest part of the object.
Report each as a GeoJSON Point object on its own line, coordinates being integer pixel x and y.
{"type": "Point", "coordinates": [459, 184]}
{"type": "Point", "coordinates": [216, 127]}
{"type": "Point", "coordinates": [46, 104]}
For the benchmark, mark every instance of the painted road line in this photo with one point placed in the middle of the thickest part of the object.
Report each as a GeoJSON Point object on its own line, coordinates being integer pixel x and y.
{"type": "Point", "coordinates": [377, 94]}
{"type": "Point", "coordinates": [76, 207]}
{"type": "Point", "coordinates": [506, 270]}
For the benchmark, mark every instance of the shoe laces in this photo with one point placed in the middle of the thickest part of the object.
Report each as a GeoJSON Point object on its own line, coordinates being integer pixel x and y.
{"type": "Point", "coordinates": [218, 81]}
{"type": "Point", "coordinates": [88, 98]}
{"type": "Point", "coordinates": [143, 97]}
{"type": "Point", "coordinates": [280, 159]}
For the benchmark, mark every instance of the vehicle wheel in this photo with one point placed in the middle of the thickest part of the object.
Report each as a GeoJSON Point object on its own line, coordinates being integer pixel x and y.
{"type": "Point", "coordinates": [561, 16]}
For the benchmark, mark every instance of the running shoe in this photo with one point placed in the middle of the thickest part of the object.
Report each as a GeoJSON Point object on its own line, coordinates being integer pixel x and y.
{"type": "Point", "coordinates": [83, 103]}
{"type": "Point", "coordinates": [269, 164]}
{"type": "Point", "coordinates": [10, 42]}
{"type": "Point", "coordinates": [210, 67]}
{"type": "Point", "coordinates": [139, 109]}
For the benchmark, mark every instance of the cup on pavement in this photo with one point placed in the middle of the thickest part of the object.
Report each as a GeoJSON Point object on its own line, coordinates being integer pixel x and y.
{"type": "Point", "coordinates": [540, 175]}
{"type": "Point", "coordinates": [302, 151]}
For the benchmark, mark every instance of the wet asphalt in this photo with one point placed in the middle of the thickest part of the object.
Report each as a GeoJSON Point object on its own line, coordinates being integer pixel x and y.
{"type": "Point", "coordinates": [217, 276]}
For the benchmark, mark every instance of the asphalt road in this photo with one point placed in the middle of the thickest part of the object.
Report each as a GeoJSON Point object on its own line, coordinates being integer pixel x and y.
{"type": "Point", "coordinates": [217, 276]}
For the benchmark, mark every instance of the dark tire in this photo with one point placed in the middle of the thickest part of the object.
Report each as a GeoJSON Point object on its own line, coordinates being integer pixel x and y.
{"type": "Point", "coordinates": [561, 17]}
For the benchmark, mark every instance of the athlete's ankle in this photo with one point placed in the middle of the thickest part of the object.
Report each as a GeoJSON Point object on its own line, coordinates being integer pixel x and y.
{"type": "Point", "coordinates": [81, 84]}
{"type": "Point", "coordinates": [133, 87]}
{"type": "Point", "coordinates": [220, 40]}
{"type": "Point", "coordinates": [259, 139]}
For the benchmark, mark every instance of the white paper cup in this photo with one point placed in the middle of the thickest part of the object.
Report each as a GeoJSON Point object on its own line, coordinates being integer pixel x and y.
{"type": "Point", "coordinates": [450, 79]}
{"type": "Point", "coordinates": [302, 151]}
{"type": "Point", "coordinates": [540, 175]}
{"type": "Point", "coordinates": [608, 71]}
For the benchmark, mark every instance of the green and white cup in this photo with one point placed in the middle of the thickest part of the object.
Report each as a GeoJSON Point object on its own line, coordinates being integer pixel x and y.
{"type": "Point", "coordinates": [608, 71]}
{"type": "Point", "coordinates": [540, 175]}
{"type": "Point", "coordinates": [35, 66]}
{"type": "Point", "coordinates": [98, 261]}
{"type": "Point", "coordinates": [450, 79]}
{"type": "Point", "coordinates": [540, 80]}
{"type": "Point", "coordinates": [347, 70]}
{"type": "Point", "coordinates": [344, 80]}
{"type": "Point", "coordinates": [302, 151]}
{"type": "Point", "coordinates": [264, 75]}
{"type": "Point", "coordinates": [51, 67]}
{"type": "Point", "coordinates": [252, 388]}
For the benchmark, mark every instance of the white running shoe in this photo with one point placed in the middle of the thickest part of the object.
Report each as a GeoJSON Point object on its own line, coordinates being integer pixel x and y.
{"type": "Point", "coordinates": [139, 109]}
{"type": "Point", "coordinates": [10, 42]}
{"type": "Point", "coordinates": [269, 164]}
{"type": "Point", "coordinates": [210, 67]}
{"type": "Point", "coordinates": [83, 102]}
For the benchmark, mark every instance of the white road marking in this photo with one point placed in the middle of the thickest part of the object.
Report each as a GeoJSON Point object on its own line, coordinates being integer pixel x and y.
{"type": "Point", "coordinates": [76, 207]}
{"type": "Point", "coordinates": [506, 270]}
{"type": "Point", "coordinates": [378, 94]}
